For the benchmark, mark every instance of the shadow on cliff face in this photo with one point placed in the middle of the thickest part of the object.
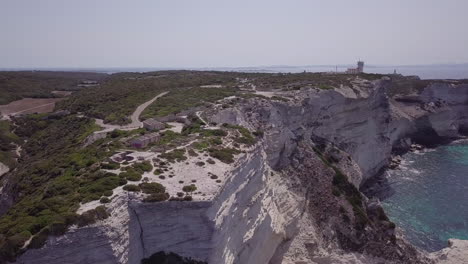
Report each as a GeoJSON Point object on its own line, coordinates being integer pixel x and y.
{"type": "Point", "coordinates": [426, 134]}
{"type": "Point", "coordinates": [344, 216]}
{"type": "Point", "coordinates": [378, 187]}
{"type": "Point", "coordinates": [162, 257]}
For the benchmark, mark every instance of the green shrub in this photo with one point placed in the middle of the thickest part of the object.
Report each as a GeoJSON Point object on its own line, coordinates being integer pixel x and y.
{"type": "Point", "coordinates": [110, 166]}
{"type": "Point", "coordinates": [167, 137]}
{"type": "Point", "coordinates": [144, 166]}
{"type": "Point", "coordinates": [192, 153]}
{"type": "Point", "coordinates": [201, 145]}
{"type": "Point", "coordinates": [157, 197]}
{"type": "Point", "coordinates": [122, 181]}
{"type": "Point", "coordinates": [91, 216]}
{"type": "Point", "coordinates": [117, 133]}
{"type": "Point", "coordinates": [131, 175]}
{"type": "Point", "coordinates": [325, 87]}
{"type": "Point", "coordinates": [104, 200]}
{"type": "Point", "coordinates": [174, 155]}
{"type": "Point", "coordinates": [225, 155]}
{"type": "Point", "coordinates": [189, 188]}
{"type": "Point", "coordinates": [131, 188]}
{"type": "Point", "coordinates": [100, 187]}
{"type": "Point", "coordinates": [213, 133]}
{"type": "Point", "coordinates": [194, 126]}
{"type": "Point", "coordinates": [216, 141]}
{"type": "Point", "coordinates": [152, 187]}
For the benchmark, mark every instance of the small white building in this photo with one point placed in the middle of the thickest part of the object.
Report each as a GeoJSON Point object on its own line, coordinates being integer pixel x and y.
{"type": "Point", "coordinates": [143, 141]}
{"type": "Point", "coordinates": [359, 69]}
{"type": "Point", "coordinates": [153, 124]}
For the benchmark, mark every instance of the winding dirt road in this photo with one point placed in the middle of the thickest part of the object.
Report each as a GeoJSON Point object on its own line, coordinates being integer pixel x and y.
{"type": "Point", "coordinates": [135, 117]}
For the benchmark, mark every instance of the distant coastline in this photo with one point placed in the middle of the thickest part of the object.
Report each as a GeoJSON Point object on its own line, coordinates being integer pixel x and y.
{"type": "Point", "coordinates": [432, 71]}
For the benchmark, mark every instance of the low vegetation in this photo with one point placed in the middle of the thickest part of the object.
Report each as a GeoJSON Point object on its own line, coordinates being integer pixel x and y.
{"type": "Point", "coordinates": [225, 155]}
{"type": "Point", "coordinates": [120, 94]}
{"type": "Point", "coordinates": [189, 188]}
{"type": "Point", "coordinates": [157, 197]}
{"type": "Point", "coordinates": [288, 81]}
{"type": "Point", "coordinates": [8, 143]}
{"type": "Point", "coordinates": [152, 187]}
{"type": "Point", "coordinates": [156, 191]}
{"type": "Point", "coordinates": [170, 257]}
{"type": "Point", "coordinates": [110, 166]}
{"type": "Point", "coordinates": [58, 174]}
{"type": "Point", "coordinates": [39, 84]}
{"type": "Point", "coordinates": [144, 166]}
{"type": "Point", "coordinates": [182, 99]}
{"type": "Point", "coordinates": [55, 176]}
{"type": "Point", "coordinates": [341, 186]}
{"type": "Point", "coordinates": [131, 175]}
{"type": "Point", "coordinates": [245, 136]}
{"type": "Point", "coordinates": [174, 155]}
{"type": "Point", "coordinates": [131, 188]}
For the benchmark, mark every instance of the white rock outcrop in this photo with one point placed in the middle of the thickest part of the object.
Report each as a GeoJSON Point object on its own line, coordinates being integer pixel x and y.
{"type": "Point", "coordinates": [455, 253]}
{"type": "Point", "coordinates": [3, 169]}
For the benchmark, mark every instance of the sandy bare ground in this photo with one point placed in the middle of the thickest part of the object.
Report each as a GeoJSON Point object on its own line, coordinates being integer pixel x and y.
{"type": "Point", "coordinates": [29, 106]}
{"type": "Point", "coordinates": [135, 117]}
{"type": "Point", "coordinates": [176, 127]}
{"type": "Point", "coordinates": [62, 93]}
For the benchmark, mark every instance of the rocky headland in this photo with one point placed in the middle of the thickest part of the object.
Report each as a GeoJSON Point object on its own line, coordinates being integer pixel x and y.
{"type": "Point", "coordinates": [292, 197]}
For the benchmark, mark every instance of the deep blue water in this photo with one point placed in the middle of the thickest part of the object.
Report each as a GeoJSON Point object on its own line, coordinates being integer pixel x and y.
{"type": "Point", "coordinates": [430, 202]}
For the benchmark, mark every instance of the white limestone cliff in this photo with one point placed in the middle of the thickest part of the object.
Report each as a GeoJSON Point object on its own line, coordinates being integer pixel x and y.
{"type": "Point", "coordinates": [275, 207]}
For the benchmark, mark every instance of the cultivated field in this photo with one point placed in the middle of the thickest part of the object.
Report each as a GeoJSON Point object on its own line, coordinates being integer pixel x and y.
{"type": "Point", "coordinates": [29, 106]}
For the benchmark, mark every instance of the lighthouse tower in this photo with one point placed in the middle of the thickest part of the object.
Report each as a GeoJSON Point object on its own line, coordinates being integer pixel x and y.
{"type": "Point", "coordinates": [360, 66]}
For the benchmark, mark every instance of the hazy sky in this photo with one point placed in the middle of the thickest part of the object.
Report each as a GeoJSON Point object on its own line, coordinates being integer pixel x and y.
{"type": "Point", "coordinates": [213, 33]}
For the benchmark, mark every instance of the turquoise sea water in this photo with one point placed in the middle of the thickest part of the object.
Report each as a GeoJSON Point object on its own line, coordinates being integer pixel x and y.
{"type": "Point", "coordinates": [430, 202]}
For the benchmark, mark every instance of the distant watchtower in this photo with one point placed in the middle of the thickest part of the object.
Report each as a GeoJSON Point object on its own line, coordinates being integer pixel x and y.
{"type": "Point", "coordinates": [360, 66]}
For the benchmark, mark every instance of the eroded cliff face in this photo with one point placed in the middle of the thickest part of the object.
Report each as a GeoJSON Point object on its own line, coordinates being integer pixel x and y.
{"type": "Point", "coordinates": [253, 214]}
{"type": "Point", "coordinates": [368, 125]}
{"type": "Point", "coordinates": [283, 201]}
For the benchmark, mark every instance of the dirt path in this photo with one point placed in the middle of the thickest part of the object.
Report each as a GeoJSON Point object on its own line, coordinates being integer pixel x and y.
{"type": "Point", "coordinates": [135, 117]}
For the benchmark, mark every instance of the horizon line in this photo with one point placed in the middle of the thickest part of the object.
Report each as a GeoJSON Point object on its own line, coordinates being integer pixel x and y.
{"type": "Point", "coordinates": [158, 68]}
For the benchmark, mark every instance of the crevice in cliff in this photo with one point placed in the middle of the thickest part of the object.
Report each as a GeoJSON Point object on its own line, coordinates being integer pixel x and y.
{"type": "Point", "coordinates": [137, 217]}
